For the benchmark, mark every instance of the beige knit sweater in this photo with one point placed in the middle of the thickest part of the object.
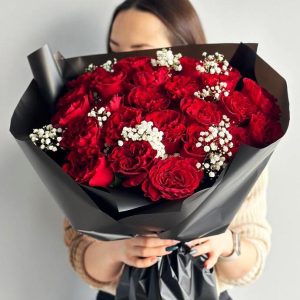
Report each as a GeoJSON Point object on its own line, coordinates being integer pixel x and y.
{"type": "Point", "coordinates": [250, 221]}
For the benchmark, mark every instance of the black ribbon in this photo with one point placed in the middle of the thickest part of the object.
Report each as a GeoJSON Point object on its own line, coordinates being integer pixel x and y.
{"type": "Point", "coordinates": [177, 276]}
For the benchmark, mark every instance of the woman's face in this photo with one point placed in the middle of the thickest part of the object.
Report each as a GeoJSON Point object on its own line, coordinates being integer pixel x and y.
{"type": "Point", "coordinates": [138, 30]}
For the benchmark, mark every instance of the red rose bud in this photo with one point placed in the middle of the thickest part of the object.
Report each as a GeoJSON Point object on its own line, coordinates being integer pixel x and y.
{"type": "Point", "coordinates": [264, 131]}
{"type": "Point", "coordinates": [265, 102]}
{"type": "Point", "coordinates": [190, 139]}
{"type": "Point", "coordinates": [83, 80]}
{"type": "Point", "coordinates": [72, 106]}
{"type": "Point", "coordinates": [239, 107]}
{"type": "Point", "coordinates": [215, 69]}
{"type": "Point", "coordinates": [174, 178]}
{"type": "Point", "coordinates": [125, 117]}
{"type": "Point", "coordinates": [82, 134]}
{"type": "Point", "coordinates": [90, 168]}
{"type": "Point", "coordinates": [133, 160]}
{"type": "Point", "coordinates": [189, 65]}
{"type": "Point", "coordinates": [147, 98]}
{"type": "Point", "coordinates": [205, 113]}
{"type": "Point", "coordinates": [171, 123]}
{"type": "Point", "coordinates": [180, 86]}
{"type": "Point", "coordinates": [110, 84]}
{"type": "Point", "coordinates": [153, 78]}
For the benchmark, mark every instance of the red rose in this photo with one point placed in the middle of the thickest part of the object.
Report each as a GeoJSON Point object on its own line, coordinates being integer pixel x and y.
{"type": "Point", "coordinates": [180, 86]}
{"type": "Point", "coordinates": [264, 131]}
{"type": "Point", "coordinates": [205, 113]}
{"type": "Point", "coordinates": [171, 123]}
{"type": "Point", "coordinates": [82, 134]}
{"type": "Point", "coordinates": [191, 137]}
{"type": "Point", "coordinates": [189, 66]}
{"type": "Point", "coordinates": [108, 84]}
{"type": "Point", "coordinates": [89, 168]}
{"type": "Point", "coordinates": [214, 79]}
{"type": "Point", "coordinates": [114, 104]}
{"type": "Point", "coordinates": [131, 65]}
{"type": "Point", "coordinates": [84, 80]}
{"type": "Point", "coordinates": [151, 78]}
{"type": "Point", "coordinates": [147, 98]}
{"type": "Point", "coordinates": [132, 160]}
{"type": "Point", "coordinates": [262, 98]}
{"type": "Point", "coordinates": [238, 106]}
{"type": "Point", "coordinates": [126, 116]}
{"type": "Point", "coordinates": [174, 178]}
{"type": "Point", "coordinates": [74, 105]}
{"type": "Point", "coordinates": [240, 135]}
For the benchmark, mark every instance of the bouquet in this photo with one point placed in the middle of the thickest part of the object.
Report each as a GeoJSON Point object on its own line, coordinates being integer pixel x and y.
{"type": "Point", "coordinates": [167, 141]}
{"type": "Point", "coordinates": [166, 124]}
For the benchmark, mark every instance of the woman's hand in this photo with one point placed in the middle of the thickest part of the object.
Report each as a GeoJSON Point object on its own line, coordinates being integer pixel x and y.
{"type": "Point", "coordinates": [142, 251]}
{"type": "Point", "coordinates": [214, 246]}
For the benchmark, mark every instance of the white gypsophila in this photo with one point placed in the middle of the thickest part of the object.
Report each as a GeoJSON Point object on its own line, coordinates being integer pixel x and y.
{"type": "Point", "coordinates": [145, 132]}
{"type": "Point", "coordinates": [100, 114]}
{"type": "Point", "coordinates": [47, 137]}
{"type": "Point", "coordinates": [108, 66]}
{"type": "Point", "coordinates": [217, 143]}
{"type": "Point", "coordinates": [166, 58]}
{"type": "Point", "coordinates": [213, 92]}
{"type": "Point", "coordinates": [214, 64]}
{"type": "Point", "coordinates": [91, 68]}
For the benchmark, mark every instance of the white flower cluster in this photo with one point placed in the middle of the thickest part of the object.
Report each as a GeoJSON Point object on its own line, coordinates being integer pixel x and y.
{"type": "Point", "coordinates": [216, 142]}
{"type": "Point", "coordinates": [108, 66]}
{"type": "Point", "coordinates": [47, 137]}
{"type": "Point", "coordinates": [214, 64]}
{"type": "Point", "coordinates": [91, 68]}
{"type": "Point", "coordinates": [100, 114]}
{"type": "Point", "coordinates": [166, 58]}
{"type": "Point", "coordinates": [213, 92]}
{"type": "Point", "coordinates": [145, 132]}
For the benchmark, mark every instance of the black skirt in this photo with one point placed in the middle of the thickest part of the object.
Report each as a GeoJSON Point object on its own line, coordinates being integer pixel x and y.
{"type": "Point", "coordinates": [105, 296]}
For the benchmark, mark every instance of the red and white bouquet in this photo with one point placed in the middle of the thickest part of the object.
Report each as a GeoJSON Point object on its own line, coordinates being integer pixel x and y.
{"type": "Point", "coordinates": [167, 124]}
{"type": "Point", "coordinates": [186, 123]}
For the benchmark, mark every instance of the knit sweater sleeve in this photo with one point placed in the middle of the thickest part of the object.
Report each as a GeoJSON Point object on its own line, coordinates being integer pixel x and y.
{"type": "Point", "coordinates": [252, 224]}
{"type": "Point", "coordinates": [77, 243]}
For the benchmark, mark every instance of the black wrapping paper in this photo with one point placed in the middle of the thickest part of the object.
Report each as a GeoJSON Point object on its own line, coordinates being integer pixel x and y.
{"type": "Point", "coordinates": [100, 213]}
{"type": "Point", "coordinates": [176, 276]}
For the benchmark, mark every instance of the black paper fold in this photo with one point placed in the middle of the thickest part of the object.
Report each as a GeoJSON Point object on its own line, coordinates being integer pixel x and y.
{"type": "Point", "coordinates": [181, 277]}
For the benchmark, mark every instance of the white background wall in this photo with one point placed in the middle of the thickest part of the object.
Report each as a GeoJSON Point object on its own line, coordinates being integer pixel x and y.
{"type": "Point", "coordinates": [33, 258]}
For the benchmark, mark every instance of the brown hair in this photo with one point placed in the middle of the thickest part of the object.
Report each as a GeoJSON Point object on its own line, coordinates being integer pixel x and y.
{"type": "Point", "coordinates": [179, 16]}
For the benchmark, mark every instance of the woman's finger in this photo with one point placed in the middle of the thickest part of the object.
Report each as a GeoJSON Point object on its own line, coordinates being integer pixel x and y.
{"type": "Point", "coordinates": [200, 249]}
{"type": "Point", "coordinates": [211, 261]}
{"type": "Point", "coordinates": [197, 241]}
{"type": "Point", "coordinates": [142, 262]}
{"type": "Point", "coordinates": [151, 251]}
{"type": "Point", "coordinates": [144, 241]}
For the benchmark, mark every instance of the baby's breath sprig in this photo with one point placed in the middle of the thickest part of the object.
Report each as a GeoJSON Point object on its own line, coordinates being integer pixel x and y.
{"type": "Point", "coordinates": [166, 58]}
{"type": "Point", "coordinates": [217, 143]}
{"type": "Point", "coordinates": [100, 114]}
{"type": "Point", "coordinates": [91, 68]}
{"type": "Point", "coordinates": [108, 66]}
{"type": "Point", "coordinates": [214, 64]}
{"type": "Point", "coordinates": [213, 92]}
{"type": "Point", "coordinates": [47, 137]}
{"type": "Point", "coordinates": [145, 132]}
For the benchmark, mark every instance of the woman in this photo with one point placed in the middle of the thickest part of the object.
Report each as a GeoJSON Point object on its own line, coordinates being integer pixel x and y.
{"type": "Point", "coordinates": [145, 24]}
